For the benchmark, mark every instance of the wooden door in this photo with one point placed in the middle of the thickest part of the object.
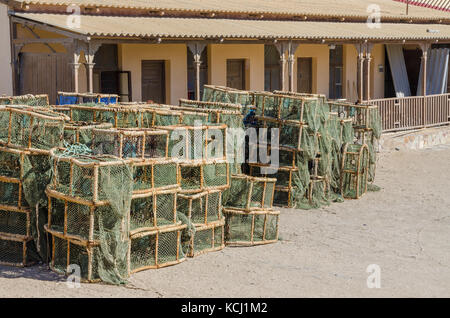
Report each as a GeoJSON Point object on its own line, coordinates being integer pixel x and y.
{"type": "Point", "coordinates": [42, 73]}
{"type": "Point", "coordinates": [236, 74]}
{"type": "Point", "coordinates": [153, 81]}
{"type": "Point", "coordinates": [304, 74]}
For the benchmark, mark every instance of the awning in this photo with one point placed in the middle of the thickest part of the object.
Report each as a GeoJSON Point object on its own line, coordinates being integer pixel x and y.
{"type": "Point", "coordinates": [196, 28]}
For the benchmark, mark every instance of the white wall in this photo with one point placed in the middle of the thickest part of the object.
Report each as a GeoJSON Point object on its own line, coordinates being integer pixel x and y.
{"type": "Point", "coordinates": [5, 53]}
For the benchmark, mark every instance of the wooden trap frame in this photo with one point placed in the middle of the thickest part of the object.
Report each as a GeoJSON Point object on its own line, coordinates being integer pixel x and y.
{"type": "Point", "coordinates": [11, 178]}
{"type": "Point", "coordinates": [69, 251]}
{"type": "Point", "coordinates": [354, 171]}
{"type": "Point", "coordinates": [207, 238]}
{"type": "Point", "coordinates": [244, 228]}
{"type": "Point", "coordinates": [133, 116]}
{"type": "Point", "coordinates": [292, 134]}
{"type": "Point", "coordinates": [17, 250]}
{"type": "Point", "coordinates": [210, 105]}
{"type": "Point", "coordinates": [281, 106]}
{"type": "Point", "coordinates": [215, 93]}
{"type": "Point", "coordinates": [202, 208]}
{"type": "Point", "coordinates": [361, 114]}
{"type": "Point", "coordinates": [287, 157]}
{"type": "Point", "coordinates": [29, 100]}
{"type": "Point", "coordinates": [128, 143]}
{"type": "Point", "coordinates": [203, 175]}
{"type": "Point", "coordinates": [81, 132]}
{"type": "Point", "coordinates": [249, 193]}
{"type": "Point", "coordinates": [155, 174]}
{"type": "Point", "coordinates": [78, 219]}
{"type": "Point", "coordinates": [156, 249]}
{"type": "Point", "coordinates": [153, 210]}
{"type": "Point", "coordinates": [198, 142]}
{"type": "Point", "coordinates": [34, 129]}
{"type": "Point", "coordinates": [79, 176]}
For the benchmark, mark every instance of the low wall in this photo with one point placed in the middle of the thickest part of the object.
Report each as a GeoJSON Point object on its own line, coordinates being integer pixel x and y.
{"type": "Point", "coordinates": [416, 139]}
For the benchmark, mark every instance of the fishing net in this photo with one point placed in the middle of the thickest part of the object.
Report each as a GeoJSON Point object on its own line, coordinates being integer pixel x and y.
{"type": "Point", "coordinates": [81, 132]}
{"type": "Point", "coordinates": [355, 171]}
{"type": "Point", "coordinates": [28, 100]}
{"type": "Point", "coordinates": [249, 193]}
{"type": "Point", "coordinates": [243, 228]}
{"type": "Point", "coordinates": [154, 209]}
{"type": "Point", "coordinates": [125, 116]}
{"type": "Point", "coordinates": [128, 143]}
{"type": "Point", "coordinates": [89, 203]}
{"type": "Point", "coordinates": [204, 175]}
{"type": "Point", "coordinates": [154, 174]}
{"type": "Point", "coordinates": [32, 129]}
{"type": "Point", "coordinates": [158, 248]}
{"type": "Point", "coordinates": [207, 238]}
{"type": "Point", "coordinates": [202, 208]}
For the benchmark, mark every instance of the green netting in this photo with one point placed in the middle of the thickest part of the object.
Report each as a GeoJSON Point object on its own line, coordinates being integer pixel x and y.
{"type": "Point", "coordinates": [96, 192]}
{"type": "Point", "coordinates": [28, 100]}
{"type": "Point", "coordinates": [254, 228]}
{"type": "Point", "coordinates": [201, 208]}
{"type": "Point", "coordinates": [33, 129]}
{"type": "Point", "coordinates": [248, 193]}
{"type": "Point", "coordinates": [207, 238]}
{"type": "Point", "coordinates": [82, 132]}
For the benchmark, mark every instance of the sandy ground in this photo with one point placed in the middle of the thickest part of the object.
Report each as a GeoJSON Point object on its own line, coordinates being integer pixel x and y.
{"type": "Point", "coordinates": [404, 229]}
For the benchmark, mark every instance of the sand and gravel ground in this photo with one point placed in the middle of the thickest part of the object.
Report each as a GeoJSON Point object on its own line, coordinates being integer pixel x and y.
{"type": "Point", "coordinates": [404, 228]}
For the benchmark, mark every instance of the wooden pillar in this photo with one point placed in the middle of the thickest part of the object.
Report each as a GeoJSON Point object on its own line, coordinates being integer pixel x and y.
{"type": "Point", "coordinates": [291, 61]}
{"type": "Point", "coordinates": [281, 47]}
{"type": "Point", "coordinates": [92, 48]}
{"type": "Point", "coordinates": [76, 66]}
{"type": "Point", "coordinates": [367, 62]}
{"type": "Point", "coordinates": [360, 70]}
{"type": "Point", "coordinates": [197, 50]}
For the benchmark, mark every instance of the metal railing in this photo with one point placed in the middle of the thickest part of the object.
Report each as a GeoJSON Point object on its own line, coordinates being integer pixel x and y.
{"type": "Point", "coordinates": [413, 112]}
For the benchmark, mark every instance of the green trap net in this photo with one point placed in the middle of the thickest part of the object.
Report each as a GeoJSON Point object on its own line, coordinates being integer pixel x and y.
{"type": "Point", "coordinates": [243, 228]}
{"type": "Point", "coordinates": [27, 100]}
{"type": "Point", "coordinates": [249, 193]}
{"type": "Point", "coordinates": [207, 238]}
{"type": "Point", "coordinates": [201, 208]}
{"type": "Point", "coordinates": [31, 129]}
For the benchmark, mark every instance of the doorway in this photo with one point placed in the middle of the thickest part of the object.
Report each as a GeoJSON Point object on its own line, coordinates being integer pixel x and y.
{"type": "Point", "coordinates": [153, 81]}
{"type": "Point", "coordinates": [304, 73]}
{"type": "Point", "coordinates": [236, 74]}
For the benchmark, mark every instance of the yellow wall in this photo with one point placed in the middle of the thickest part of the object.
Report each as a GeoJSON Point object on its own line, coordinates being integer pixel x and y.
{"type": "Point", "coordinates": [320, 67]}
{"type": "Point", "coordinates": [5, 53]}
{"type": "Point", "coordinates": [254, 66]}
{"type": "Point", "coordinates": [175, 56]}
{"type": "Point", "coordinates": [350, 90]}
{"type": "Point", "coordinates": [350, 72]}
{"type": "Point", "coordinates": [378, 58]}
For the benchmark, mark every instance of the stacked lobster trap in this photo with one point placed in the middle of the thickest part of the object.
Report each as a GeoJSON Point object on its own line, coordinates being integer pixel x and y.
{"type": "Point", "coordinates": [309, 143]}
{"type": "Point", "coordinates": [203, 174]}
{"type": "Point", "coordinates": [26, 136]}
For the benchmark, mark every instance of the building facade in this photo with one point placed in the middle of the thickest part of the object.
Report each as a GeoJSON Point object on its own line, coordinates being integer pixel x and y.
{"type": "Point", "coordinates": [165, 51]}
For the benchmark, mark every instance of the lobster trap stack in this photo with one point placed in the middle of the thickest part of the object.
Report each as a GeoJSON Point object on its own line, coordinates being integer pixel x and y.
{"type": "Point", "coordinates": [203, 173]}
{"type": "Point", "coordinates": [311, 133]}
{"type": "Point", "coordinates": [26, 135]}
{"type": "Point", "coordinates": [88, 221]}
